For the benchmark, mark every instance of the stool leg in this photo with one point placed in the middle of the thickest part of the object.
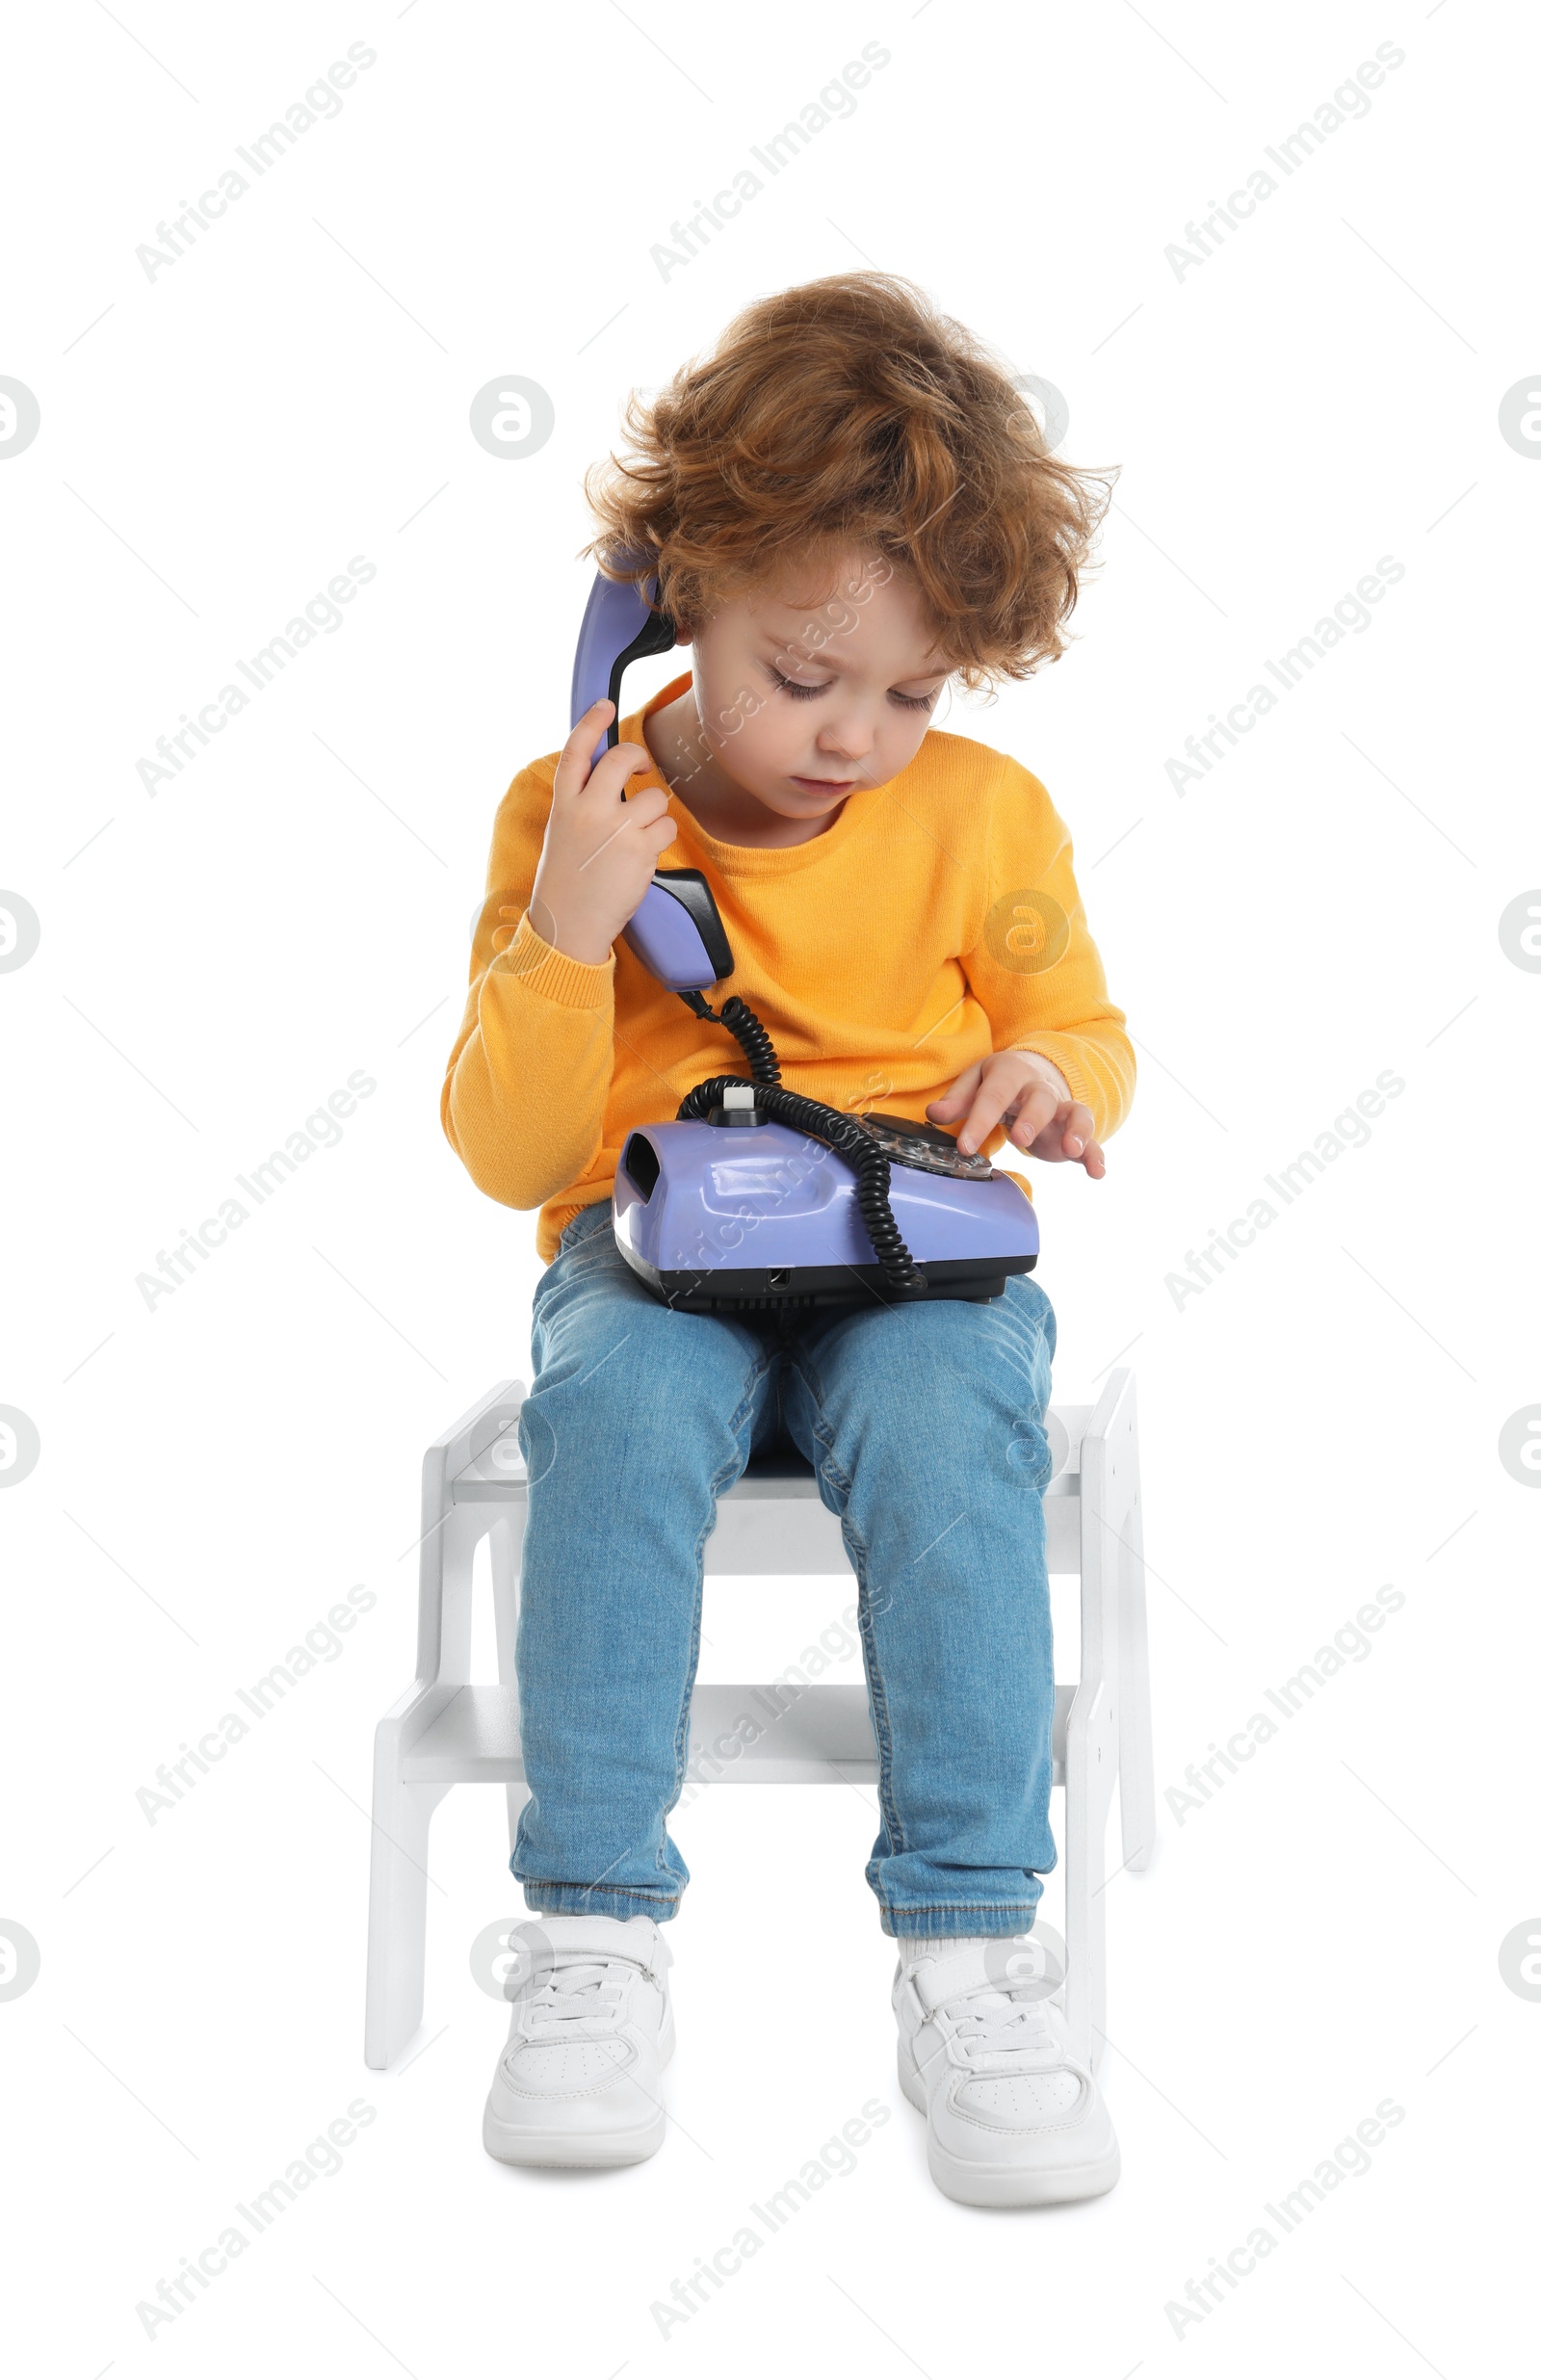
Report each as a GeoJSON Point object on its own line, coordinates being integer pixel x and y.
{"type": "Point", "coordinates": [1095, 1732]}
{"type": "Point", "coordinates": [398, 1902]}
{"type": "Point", "coordinates": [506, 1552]}
{"type": "Point", "coordinates": [1137, 1765]}
{"type": "Point", "coordinates": [1090, 1755]}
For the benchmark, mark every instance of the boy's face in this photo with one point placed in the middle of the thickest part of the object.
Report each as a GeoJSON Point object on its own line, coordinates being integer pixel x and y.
{"type": "Point", "coordinates": [854, 637]}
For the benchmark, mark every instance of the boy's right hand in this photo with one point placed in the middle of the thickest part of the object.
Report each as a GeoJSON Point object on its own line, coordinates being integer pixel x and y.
{"type": "Point", "coordinates": [600, 849]}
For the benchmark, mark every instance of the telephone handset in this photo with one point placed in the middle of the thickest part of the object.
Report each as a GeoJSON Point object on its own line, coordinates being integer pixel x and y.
{"type": "Point", "coordinates": [675, 930]}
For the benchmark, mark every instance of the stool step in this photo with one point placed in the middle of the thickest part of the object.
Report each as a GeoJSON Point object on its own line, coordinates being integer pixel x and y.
{"type": "Point", "coordinates": [498, 1474]}
{"type": "Point", "coordinates": [820, 1734]}
{"type": "Point", "coordinates": [796, 1536]}
{"type": "Point", "coordinates": [739, 1735]}
{"type": "Point", "coordinates": [473, 1740]}
{"type": "Point", "coordinates": [777, 1528]}
{"type": "Point", "coordinates": [812, 1735]}
{"type": "Point", "coordinates": [771, 1522]}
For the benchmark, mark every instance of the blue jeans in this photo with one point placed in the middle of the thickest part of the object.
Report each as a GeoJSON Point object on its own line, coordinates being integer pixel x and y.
{"type": "Point", "coordinates": [924, 1424]}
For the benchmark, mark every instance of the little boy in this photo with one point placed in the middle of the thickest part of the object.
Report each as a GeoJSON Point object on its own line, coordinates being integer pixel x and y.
{"type": "Point", "coordinates": [847, 506]}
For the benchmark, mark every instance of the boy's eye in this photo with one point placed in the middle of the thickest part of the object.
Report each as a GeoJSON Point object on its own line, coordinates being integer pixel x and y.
{"type": "Point", "coordinates": [806, 693]}
{"type": "Point", "coordinates": [799, 694]}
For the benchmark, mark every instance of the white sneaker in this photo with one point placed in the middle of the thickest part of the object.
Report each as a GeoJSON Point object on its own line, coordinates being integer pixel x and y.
{"type": "Point", "coordinates": [1014, 2120]}
{"type": "Point", "coordinates": [579, 2082]}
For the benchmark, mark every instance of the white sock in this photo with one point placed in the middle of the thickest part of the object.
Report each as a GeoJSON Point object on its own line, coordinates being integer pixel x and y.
{"type": "Point", "coordinates": [913, 1947]}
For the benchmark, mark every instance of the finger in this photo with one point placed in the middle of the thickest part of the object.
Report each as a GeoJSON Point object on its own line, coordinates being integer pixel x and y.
{"type": "Point", "coordinates": [954, 1100]}
{"type": "Point", "coordinates": [645, 808]}
{"type": "Point", "coordinates": [609, 772]}
{"type": "Point", "coordinates": [573, 761]}
{"type": "Point", "coordinates": [635, 820]}
{"type": "Point", "coordinates": [1036, 1112]}
{"type": "Point", "coordinates": [610, 821]}
{"type": "Point", "coordinates": [988, 1105]}
{"type": "Point", "coordinates": [1075, 1132]}
{"type": "Point", "coordinates": [1054, 1151]}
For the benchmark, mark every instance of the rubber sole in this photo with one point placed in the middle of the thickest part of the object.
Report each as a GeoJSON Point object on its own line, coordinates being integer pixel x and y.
{"type": "Point", "coordinates": [975, 2185]}
{"type": "Point", "coordinates": [517, 2144]}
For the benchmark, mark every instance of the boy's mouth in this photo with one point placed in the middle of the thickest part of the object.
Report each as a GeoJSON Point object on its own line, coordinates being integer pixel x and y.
{"type": "Point", "coordinates": [825, 785]}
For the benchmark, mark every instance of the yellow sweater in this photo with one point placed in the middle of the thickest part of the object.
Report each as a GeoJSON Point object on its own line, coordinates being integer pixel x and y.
{"type": "Point", "coordinates": [936, 921]}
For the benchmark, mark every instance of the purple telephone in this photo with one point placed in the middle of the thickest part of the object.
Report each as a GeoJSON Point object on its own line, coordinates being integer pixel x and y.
{"type": "Point", "coordinates": [755, 1196]}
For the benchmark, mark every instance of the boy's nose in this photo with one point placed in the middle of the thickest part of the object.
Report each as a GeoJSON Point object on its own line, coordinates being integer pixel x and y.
{"type": "Point", "coordinates": [847, 741]}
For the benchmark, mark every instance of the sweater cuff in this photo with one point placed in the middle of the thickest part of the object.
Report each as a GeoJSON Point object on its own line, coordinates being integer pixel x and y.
{"type": "Point", "coordinates": [1025, 1050]}
{"type": "Point", "coordinates": [1060, 1053]}
{"type": "Point", "coordinates": [570, 982]}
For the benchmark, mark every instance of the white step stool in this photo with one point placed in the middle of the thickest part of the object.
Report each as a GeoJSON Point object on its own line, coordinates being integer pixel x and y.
{"type": "Point", "coordinates": [445, 1731]}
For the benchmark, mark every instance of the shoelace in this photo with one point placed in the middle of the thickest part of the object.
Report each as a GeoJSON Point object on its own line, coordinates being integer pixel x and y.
{"type": "Point", "coordinates": [999, 2024]}
{"type": "Point", "coordinates": [580, 1996]}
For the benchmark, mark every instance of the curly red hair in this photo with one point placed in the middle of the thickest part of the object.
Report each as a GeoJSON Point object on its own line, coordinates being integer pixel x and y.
{"type": "Point", "coordinates": [849, 414]}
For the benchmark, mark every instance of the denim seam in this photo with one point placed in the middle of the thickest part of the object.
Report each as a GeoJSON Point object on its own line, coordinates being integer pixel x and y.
{"type": "Point", "coordinates": [878, 1693]}
{"type": "Point", "coordinates": [935, 1908]}
{"type": "Point", "coordinates": [856, 1546]}
{"type": "Point", "coordinates": [596, 1892]}
{"type": "Point", "coordinates": [930, 1911]}
{"type": "Point", "coordinates": [720, 1478]}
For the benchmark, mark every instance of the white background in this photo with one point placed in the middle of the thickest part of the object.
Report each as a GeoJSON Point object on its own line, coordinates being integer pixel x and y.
{"type": "Point", "coordinates": [216, 443]}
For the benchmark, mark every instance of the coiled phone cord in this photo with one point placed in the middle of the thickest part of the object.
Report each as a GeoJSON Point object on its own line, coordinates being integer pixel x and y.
{"type": "Point", "coordinates": [842, 1133]}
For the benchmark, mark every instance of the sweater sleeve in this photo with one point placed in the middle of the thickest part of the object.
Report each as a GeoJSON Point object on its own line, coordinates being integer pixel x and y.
{"type": "Point", "coordinates": [1034, 968]}
{"type": "Point", "coordinates": [524, 1095]}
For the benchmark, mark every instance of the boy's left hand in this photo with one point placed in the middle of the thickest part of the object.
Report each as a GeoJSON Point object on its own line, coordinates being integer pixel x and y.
{"type": "Point", "coordinates": [1024, 1091]}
